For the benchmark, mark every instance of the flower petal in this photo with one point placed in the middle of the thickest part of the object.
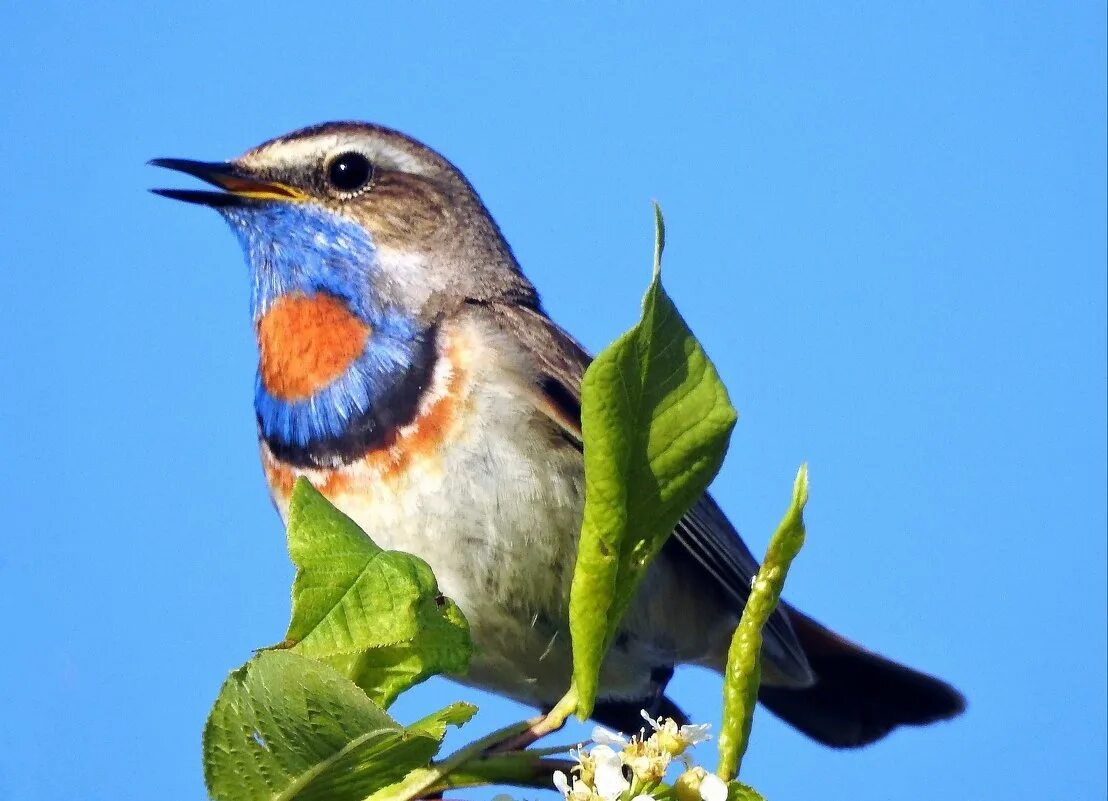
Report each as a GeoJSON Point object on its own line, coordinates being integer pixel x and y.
{"type": "Point", "coordinates": [602, 736]}
{"type": "Point", "coordinates": [694, 733]}
{"type": "Point", "coordinates": [608, 779]}
{"type": "Point", "coordinates": [712, 788]}
{"type": "Point", "coordinates": [561, 781]}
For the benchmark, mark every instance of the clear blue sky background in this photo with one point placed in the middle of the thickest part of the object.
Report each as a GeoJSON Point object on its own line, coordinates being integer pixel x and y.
{"type": "Point", "coordinates": [886, 224]}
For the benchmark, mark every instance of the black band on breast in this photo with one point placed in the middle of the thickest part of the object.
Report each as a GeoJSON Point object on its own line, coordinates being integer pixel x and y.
{"type": "Point", "coordinates": [374, 428]}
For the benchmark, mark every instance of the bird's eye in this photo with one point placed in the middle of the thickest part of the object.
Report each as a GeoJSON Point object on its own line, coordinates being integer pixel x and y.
{"type": "Point", "coordinates": [349, 172]}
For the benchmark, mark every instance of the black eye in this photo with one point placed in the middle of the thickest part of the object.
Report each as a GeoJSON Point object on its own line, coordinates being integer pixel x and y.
{"type": "Point", "coordinates": [349, 172]}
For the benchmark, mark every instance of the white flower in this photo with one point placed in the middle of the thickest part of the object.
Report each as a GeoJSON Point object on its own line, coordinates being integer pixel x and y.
{"type": "Point", "coordinates": [639, 797]}
{"type": "Point", "coordinates": [695, 733]}
{"type": "Point", "coordinates": [676, 739]}
{"type": "Point", "coordinates": [713, 788]}
{"type": "Point", "coordinates": [602, 736]}
{"type": "Point", "coordinates": [579, 791]}
{"type": "Point", "coordinates": [608, 779]}
{"type": "Point", "coordinates": [647, 766]}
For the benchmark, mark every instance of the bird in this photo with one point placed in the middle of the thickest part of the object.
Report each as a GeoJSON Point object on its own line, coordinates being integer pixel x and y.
{"type": "Point", "coordinates": [408, 370]}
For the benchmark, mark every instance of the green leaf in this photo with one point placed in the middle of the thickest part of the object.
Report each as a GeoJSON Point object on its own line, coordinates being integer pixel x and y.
{"type": "Point", "coordinates": [442, 646]}
{"type": "Point", "coordinates": [289, 727]}
{"type": "Point", "coordinates": [416, 783]}
{"type": "Point", "coordinates": [435, 724]}
{"type": "Point", "coordinates": [656, 421]}
{"type": "Point", "coordinates": [744, 669]}
{"type": "Point", "coordinates": [737, 791]}
{"type": "Point", "coordinates": [376, 615]}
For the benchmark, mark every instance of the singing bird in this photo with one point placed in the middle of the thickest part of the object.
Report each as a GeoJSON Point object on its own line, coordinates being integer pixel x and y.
{"type": "Point", "coordinates": [408, 370]}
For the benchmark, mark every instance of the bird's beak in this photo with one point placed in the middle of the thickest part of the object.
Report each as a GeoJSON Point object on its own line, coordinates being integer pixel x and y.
{"type": "Point", "coordinates": [239, 187]}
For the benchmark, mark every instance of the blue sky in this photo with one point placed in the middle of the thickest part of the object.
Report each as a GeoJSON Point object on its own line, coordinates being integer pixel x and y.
{"type": "Point", "coordinates": [887, 225]}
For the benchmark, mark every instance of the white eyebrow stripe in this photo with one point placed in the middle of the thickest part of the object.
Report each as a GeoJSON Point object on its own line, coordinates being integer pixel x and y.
{"type": "Point", "coordinates": [317, 148]}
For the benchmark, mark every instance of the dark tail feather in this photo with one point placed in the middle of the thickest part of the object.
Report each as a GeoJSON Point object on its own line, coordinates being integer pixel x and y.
{"type": "Point", "coordinates": [626, 716]}
{"type": "Point", "coordinates": [858, 697]}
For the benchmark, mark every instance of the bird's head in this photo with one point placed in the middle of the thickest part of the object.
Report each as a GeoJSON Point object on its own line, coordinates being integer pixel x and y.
{"type": "Point", "coordinates": [362, 213]}
{"type": "Point", "coordinates": [358, 239]}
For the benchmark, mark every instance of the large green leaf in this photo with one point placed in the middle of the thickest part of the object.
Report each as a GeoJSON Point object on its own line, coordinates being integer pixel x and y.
{"type": "Point", "coordinates": [376, 615]}
{"type": "Point", "coordinates": [656, 421]}
{"type": "Point", "coordinates": [744, 667]}
{"type": "Point", "coordinates": [289, 727]}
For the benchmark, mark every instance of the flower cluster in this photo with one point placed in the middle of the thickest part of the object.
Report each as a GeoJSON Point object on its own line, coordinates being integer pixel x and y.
{"type": "Point", "coordinates": [618, 768]}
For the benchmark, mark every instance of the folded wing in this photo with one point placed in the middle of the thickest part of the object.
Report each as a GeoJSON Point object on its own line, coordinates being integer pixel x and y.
{"type": "Point", "coordinates": [704, 538]}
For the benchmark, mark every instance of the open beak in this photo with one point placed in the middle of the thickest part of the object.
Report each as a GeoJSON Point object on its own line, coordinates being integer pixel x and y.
{"type": "Point", "coordinates": [239, 188]}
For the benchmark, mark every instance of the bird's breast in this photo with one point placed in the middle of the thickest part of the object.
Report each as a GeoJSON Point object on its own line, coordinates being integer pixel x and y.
{"type": "Point", "coordinates": [406, 454]}
{"type": "Point", "coordinates": [482, 487]}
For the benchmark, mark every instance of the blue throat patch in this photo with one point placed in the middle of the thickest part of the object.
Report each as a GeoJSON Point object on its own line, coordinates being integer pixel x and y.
{"type": "Point", "coordinates": [301, 248]}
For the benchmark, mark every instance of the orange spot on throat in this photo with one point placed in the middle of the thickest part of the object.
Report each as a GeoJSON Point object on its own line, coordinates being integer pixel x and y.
{"type": "Point", "coordinates": [306, 342]}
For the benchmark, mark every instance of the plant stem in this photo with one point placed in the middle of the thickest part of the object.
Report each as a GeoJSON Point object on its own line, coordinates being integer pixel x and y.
{"type": "Point", "coordinates": [744, 668]}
